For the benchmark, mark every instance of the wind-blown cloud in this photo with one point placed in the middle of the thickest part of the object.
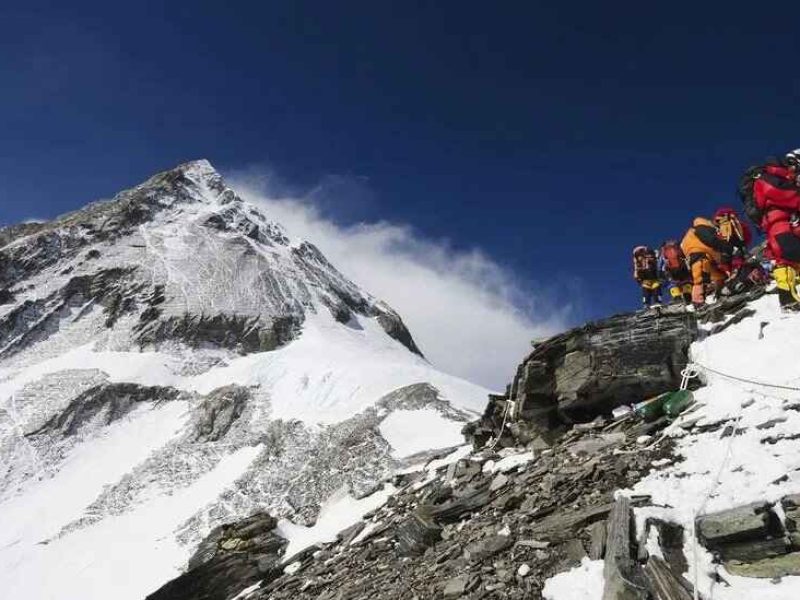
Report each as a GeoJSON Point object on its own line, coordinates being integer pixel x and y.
{"type": "Point", "coordinates": [468, 314]}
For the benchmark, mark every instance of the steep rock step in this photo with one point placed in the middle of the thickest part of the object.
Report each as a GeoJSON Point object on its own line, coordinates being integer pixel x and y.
{"type": "Point", "coordinates": [590, 370]}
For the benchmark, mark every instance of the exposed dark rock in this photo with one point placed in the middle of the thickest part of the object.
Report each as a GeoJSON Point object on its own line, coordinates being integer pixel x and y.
{"type": "Point", "coordinates": [456, 586]}
{"type": "Point", "coordinates": [393, 325]}
{"type": "Point", "coordinates": [14, 232]}
{"type": "Point", "coordinates": [574, 553]}
{"type": "Point", "coordinates": [754, 550]}
{"type": "Point", "coordinates": [740, 524]}
{"type": "Point", "coordinates": [619, 570]}
{"type": "Point", "coordinates": [417, 533]}
{"type": "Point", "coordinates": [670, 538]}
{"type": "Point", "coordinates": [111, 400]}
{"type": "Point", "coordinates": [791, 507]}
{"type": "Point", "coordinates": [235, 332]}
{"type": "Point", "coordinates": [54, 241]}
{"type": "Point", "coordinates": [22, 319]}
{"type": "Point", "coordinates": [473, 498]}
{"type": "Point", "coordinates": [349, 534]}
{"type": "Point", "coordinates": [767, 568]}
{"type": "Point", "coordinates": [241, 536]}
{"type": "Point", "coordinates": [487, 547]}
{"type": "Point", "coordinates": [752, 541]}
{"type": "Point", "coordinates": [218, 411]}
{"type": "Point", "coordinates": [114, 289]}
{"type": "Point", "coordinates": [469, 530]}
{"type": "Point", "coordinates": [590, 370]}
{"type": "Point", "coordinates": [233, 557]}
{"type": "Point", "coordinates": [663, 582]}
{"type": "Point", "coordinates": [34, 320]}
{"type": "Point", "coordinates": [597, 534]}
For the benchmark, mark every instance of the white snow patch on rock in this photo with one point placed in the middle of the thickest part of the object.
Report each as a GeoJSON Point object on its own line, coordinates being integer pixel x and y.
{"type": "Point", "coordinates": [509, 462]}
{"type": "Point", "coordinates": [584, 582]}
{"type": "Point", "coordinates": [339, 512]}
{"type": "Point", "coordinates": [411, 431]}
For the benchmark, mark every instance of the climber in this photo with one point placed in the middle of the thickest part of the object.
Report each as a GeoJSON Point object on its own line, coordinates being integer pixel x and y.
{"type": "Point", "coordinates": [645, 272]}
{"type": "Point", "coordinates": [672, 262]}
{"type": "Point", "coordinates": [751, 273]}
{"type": "Point", "coordinates": [705, 248]}
{"type": "Point", "coordinates": [733, 230]}
{"type": "Point", "coordinates": [771, 196]}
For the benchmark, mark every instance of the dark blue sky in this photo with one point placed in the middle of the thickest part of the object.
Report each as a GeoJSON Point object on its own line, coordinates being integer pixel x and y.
{"type": "Point", "coordinates": [555, 136]}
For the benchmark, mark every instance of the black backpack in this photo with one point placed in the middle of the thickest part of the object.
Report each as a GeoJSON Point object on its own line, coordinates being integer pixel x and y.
{"type": "Point", "coordinates": [747, 195]}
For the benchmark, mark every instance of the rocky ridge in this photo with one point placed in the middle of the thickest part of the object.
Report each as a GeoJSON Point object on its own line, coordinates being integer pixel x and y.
{"type": "Point", "coordinates": [500, 520]}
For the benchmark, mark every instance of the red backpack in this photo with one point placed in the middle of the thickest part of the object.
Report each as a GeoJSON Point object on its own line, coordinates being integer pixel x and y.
{"type": "Point", "coordinates": [673, 256]}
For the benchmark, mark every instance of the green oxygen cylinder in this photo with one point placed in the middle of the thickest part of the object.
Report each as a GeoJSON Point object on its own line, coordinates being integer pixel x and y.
{"type": "Point", "coordinates": [652, 409]}
{"type": "Point", "coordinates": [676, 402]}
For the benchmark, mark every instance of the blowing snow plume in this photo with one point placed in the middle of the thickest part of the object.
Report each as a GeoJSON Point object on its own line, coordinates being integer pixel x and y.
{"type": "Point", "coordinates": [467, 313]}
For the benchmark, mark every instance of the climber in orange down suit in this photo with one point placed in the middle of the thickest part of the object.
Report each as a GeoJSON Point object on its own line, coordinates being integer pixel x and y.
{"type": "Point", "coordinates": [705, 250]}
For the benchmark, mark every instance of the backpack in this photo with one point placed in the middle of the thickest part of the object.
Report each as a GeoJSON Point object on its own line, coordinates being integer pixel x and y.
{"type": "Point", "coordinates": [730, 228]}
{"type": "Point", "coordinates": [747, 195]}
{"type": "Point", "coordinates": [673, 256]}
{"type": "Point", "coordinates": [746, 191]}
{"type": "Point", "coordinates": [644, 260]}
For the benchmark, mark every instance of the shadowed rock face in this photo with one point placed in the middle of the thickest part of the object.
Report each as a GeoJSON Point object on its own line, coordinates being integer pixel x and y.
{"type": "Point", "coordinates": [233, 557]}
{"type": "Point", "coordinates": [217, 412]}
{"type": "Point", "coordinates": [234, 332]}
{"type": "Point", "coordinates": [590, 370]}
{"type": "Point", "coordinates": [113, 401]}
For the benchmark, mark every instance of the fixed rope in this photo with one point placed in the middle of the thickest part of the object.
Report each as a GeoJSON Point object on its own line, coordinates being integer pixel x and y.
{"type": "Point", "coordinates": [775, 386]}
{"type": "Point", "coordinates": [509, 406]}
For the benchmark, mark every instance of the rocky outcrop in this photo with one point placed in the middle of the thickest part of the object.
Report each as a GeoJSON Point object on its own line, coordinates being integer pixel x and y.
{"type": "Point", "coordinates": [395, 328]}
{"type": "Point", "coordinates": [216, 413]}
{"type": "Point", "coordinates": [492, 525]}
{"type": "Point", "coordinates": [232, 558]}
{"type": "Point", "coordinates": [234, 332]}
{"type": "Point", "coordinates": [109, 402]}
{"type": "Point", "coordinates": [589, 371]}
{"type": "Point", "coordinates": [752, 541]}
{"type": "Point", "coordinates": [34, 320]}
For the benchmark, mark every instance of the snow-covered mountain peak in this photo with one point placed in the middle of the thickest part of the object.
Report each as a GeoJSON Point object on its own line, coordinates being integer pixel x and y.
{"type": "Point", "coordinates": [186, 254]}
{"type": "Point", "coordinates": [170, 361]}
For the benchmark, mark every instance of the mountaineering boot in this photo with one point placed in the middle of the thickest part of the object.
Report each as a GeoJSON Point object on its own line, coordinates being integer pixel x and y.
{"type": "Point", "coordinates": [786, 280]}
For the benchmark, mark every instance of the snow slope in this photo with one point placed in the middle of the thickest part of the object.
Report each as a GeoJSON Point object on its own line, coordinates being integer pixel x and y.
{"type": "Point", "coordinates": [172, 360]}
{"type": "Point", "coordinates": [716, 471]}
{"type": "Point", "coordinates": [739, 444]}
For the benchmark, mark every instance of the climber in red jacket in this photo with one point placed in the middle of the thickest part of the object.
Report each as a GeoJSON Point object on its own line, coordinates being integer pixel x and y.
{"type": "Point", "coordinates": [771, 194]}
